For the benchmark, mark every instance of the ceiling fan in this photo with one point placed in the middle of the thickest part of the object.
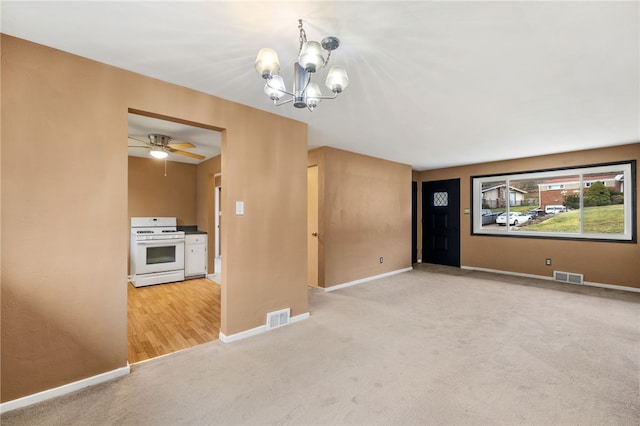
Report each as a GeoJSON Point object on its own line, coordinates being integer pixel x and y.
{"type": "Point", "coordinates": [160, 146]}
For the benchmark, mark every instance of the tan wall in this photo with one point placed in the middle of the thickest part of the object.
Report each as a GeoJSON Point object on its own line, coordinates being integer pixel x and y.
{"type": "Point", "coordinates": [264, 250]}
{"type": "Point", "coordinates": [64, 211]}
{"type": "Point", "coordinates": [365, 214]}
{"type": "Point", "coordinates": [151, 193]}
{"type": "Point", "coordinates": [600, 262]}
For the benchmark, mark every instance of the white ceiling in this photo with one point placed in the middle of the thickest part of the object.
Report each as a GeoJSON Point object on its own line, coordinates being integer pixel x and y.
{"type": "Point", "coordinates": [433, 84]}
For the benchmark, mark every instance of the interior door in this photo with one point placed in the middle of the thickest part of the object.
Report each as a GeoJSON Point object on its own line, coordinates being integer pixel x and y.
{"type": "Point", "coordinates": [441, 222]}
{"type": "Point", "coordinates": [312, 226]}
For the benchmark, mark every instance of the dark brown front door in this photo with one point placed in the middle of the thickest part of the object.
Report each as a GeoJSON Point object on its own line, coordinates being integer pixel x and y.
{"type": "Point", "coordinates": [414, 222]}
{"type": "Point", "coordinates": [441, 222]}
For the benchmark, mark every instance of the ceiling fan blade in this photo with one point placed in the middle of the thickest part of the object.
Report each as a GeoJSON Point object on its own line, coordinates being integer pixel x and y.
{"type": "Point", "coordinates": [181, 145]}
{"type": "Point", "coordinates": [138, 146]}
{"type": "Point", "coordinates": [188, 154]}
{"type": "Point", "coordinates": [139, 140]}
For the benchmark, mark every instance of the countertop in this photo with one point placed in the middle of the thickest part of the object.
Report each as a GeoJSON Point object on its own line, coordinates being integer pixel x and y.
{"type": "Point", "coordinates": [190, 229]}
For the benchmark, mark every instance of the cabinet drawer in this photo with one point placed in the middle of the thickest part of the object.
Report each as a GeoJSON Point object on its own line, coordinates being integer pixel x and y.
{"type": "Point", "coordinates": [195, 239]}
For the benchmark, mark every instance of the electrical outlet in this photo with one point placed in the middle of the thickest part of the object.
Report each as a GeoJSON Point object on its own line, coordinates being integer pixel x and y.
{"type": "Point", "coordinates": [547, 262]}
{"type": "Point", "coordinates": [381, 259]}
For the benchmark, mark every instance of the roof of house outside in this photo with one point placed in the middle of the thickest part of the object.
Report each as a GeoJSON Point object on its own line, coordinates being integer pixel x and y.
{"type": "Point", "coordinates": [503, 185]}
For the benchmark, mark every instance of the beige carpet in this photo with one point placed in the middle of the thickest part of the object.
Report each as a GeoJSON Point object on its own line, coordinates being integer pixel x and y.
{"type": "Point", "coordinates": [433, 346]}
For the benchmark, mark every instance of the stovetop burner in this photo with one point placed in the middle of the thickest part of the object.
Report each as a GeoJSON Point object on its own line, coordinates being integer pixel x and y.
{"type": "Point", "coordinates": [151, 226]}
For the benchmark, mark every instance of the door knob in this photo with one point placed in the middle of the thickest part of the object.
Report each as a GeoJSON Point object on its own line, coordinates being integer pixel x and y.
{"type": "Point", "coordinates": [315, 234]}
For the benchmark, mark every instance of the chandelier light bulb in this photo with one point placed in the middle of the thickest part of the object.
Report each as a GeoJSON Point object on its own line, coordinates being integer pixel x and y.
{"type": "Point", "coordinates": [337, 79]}
{"type": "Point", "coordinates": [275, 88]}
{"type": "Point", "coordinates": [314, 96]}
{"type": "Point", "coordinates": [311, 58]}
{"type": "Point", "coordinates": [267, 63]}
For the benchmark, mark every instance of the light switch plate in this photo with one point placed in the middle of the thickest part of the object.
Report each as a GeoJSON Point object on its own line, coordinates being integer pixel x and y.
{"type": "Point", "coordinates": [239, 207]}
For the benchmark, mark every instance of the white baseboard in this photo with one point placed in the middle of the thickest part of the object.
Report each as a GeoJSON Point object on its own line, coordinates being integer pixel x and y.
{"type": "Point", "coordinates": [364, 280]}
{"type": "Point", "coordinates": [257, 330]}
{"type": "Point", "coordinates": [64, 389]}
{"type": "Point", "coordinates": [613, 287]}
{"type": "Point", "coordinates": [543, 277]}
{"type": "Point", "coordinates": [298, 318]}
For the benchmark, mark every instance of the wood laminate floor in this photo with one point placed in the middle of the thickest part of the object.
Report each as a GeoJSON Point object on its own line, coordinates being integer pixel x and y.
{"type": "Point", "coordinates": [165, 318]}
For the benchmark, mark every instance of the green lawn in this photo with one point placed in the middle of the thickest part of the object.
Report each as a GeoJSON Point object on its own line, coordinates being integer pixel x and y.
{"type": "Point", "coordinates": [604, 219]}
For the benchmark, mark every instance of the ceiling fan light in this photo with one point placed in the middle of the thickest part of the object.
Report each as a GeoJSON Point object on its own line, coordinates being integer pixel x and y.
{"type": "Point", "coordinates": [158, 153]}
{"type": "Point", "coordinates": [311, 58]}
{"type": "Point", "coordinates": [275, 88]}
{"type": "Point", "coordinates": [337, 79]}
{"type": "Point", "coordinates": [267, 63]}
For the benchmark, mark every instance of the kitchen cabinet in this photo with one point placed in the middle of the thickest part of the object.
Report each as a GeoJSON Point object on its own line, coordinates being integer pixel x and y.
{"type": "Point", "coordinates": [195, 255]}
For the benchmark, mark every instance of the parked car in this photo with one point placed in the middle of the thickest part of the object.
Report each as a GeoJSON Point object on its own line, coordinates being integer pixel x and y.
{"type": "Point", "coordinates": [553, 209]}
{"type": "Point", "coordinates": [535, 213]}
{"type": "Point", "coordinates": [515, 218]}
{"type": "Point", "coordinates": [489, 216]}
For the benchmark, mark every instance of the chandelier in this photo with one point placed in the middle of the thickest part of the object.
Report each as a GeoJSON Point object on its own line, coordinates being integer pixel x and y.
{"type": "Point", "coordinates": [305, 94]}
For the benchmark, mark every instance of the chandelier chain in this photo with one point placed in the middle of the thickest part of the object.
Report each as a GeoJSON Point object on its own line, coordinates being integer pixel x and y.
{"type": "Point", "coordinates": [303, 36]}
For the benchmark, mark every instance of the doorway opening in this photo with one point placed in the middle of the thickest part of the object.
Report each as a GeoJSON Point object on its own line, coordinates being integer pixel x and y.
{"type": "Point", "coordinates": [217, 259]}
{"type": "Point", "coordinates": [169, 317]}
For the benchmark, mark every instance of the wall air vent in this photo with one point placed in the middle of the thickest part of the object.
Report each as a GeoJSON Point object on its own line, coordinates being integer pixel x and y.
{"type": "Point", "coordinates": [568, 277]}
{"type": "Point", "coordinates": [278, 318]}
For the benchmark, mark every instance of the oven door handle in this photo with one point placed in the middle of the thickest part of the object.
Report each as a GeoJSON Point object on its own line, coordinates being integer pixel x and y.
{"type": "Point", "coordinates": [159, 242]}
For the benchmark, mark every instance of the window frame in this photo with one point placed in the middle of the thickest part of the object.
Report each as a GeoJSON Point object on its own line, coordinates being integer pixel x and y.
{"type": "Point", "coordinates": [630, 203]}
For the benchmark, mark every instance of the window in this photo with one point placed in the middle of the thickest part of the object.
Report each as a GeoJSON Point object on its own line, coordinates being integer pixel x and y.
{"type": "Point", "coordinates": [589, 202]}
{"type": "Point", "coordinates": [440, 199]}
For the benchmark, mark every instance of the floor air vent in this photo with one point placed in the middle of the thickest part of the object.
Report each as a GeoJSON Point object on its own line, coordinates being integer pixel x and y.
{"type": "Point", "coordinates": [568, 277]}
{"type": "Point", "coordinates": [278, 318]}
